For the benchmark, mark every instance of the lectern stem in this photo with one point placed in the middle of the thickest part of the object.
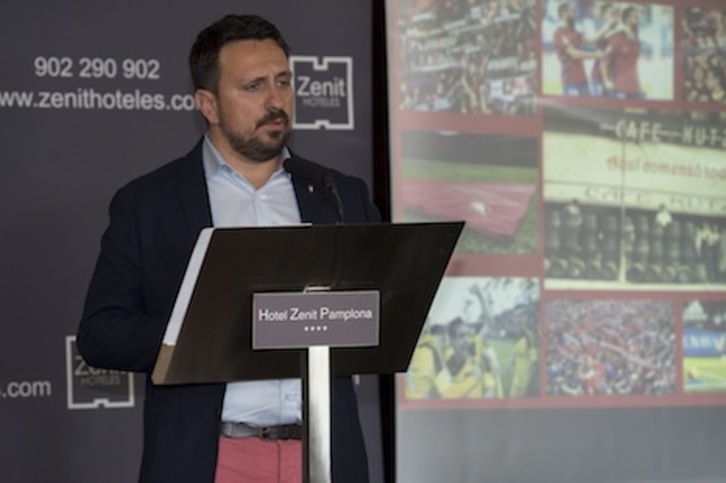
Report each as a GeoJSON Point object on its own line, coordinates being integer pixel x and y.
{"type": "Point", "coordinates": [316, 415]}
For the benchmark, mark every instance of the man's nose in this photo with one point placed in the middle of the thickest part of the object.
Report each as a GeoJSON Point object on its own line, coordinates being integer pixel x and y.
{"type": "Point", "coordinates": [275, 99]}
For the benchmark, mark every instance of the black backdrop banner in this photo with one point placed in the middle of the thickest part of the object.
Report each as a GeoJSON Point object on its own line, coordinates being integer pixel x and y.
{"type": "Point", "coordinates": [92, 95]}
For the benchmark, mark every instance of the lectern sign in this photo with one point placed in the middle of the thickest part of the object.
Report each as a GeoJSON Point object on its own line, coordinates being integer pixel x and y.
{"type": "Point", "coordinates": [295, 320]}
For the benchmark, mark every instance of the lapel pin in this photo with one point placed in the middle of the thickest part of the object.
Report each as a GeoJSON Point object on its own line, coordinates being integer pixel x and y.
{"type": "Point", "coordinates": [311, 188]}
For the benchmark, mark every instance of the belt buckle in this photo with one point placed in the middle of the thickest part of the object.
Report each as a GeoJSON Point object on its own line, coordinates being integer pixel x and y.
{"type": "Point", "coordinates": [267, 433]}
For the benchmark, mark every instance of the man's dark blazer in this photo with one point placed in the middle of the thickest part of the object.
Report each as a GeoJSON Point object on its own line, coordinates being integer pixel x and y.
{"type": "Point", "coordinates": [154, 223]}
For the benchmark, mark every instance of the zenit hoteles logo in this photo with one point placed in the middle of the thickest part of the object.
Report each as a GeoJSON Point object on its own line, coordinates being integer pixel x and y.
{"type": "Point", "coordinates": [323, 92]}
{"type": "Point", "coordinates": [91, 388]}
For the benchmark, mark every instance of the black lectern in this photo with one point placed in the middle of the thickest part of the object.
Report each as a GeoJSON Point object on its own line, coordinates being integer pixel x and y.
{"type": "Point", "coordinates": [253, 300]}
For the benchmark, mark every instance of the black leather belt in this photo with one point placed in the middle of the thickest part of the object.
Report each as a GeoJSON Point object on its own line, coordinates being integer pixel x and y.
{"type": "Point", "coordinates": [242, 430]}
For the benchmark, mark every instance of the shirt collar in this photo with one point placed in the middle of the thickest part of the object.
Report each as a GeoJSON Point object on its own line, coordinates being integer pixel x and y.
{"type": "Point", "coordinates": [214, 162]}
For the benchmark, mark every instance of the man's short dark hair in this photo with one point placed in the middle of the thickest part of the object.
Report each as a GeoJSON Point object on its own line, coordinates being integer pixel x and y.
{"type": "Point", "coordinates": [454, 325]}
{"type": "Point", "coordinates": [627, 11]}
{"type": "Point", "coordinates": [562, 9]}
{"type": "Point", "coordinates": [204, 55]}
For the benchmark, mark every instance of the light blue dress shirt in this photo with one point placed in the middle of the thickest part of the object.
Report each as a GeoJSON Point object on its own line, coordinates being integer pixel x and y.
{"type": "Point", "coordinates": [235, 202]}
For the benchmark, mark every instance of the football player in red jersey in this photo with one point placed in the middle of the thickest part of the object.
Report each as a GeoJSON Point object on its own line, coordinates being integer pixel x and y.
{"type": "Point", "coordinates": [623, 52]}
{"type": "Point", "coordinates": [568, 45]}
{"type": "Point", "coordinates": [608, 23]}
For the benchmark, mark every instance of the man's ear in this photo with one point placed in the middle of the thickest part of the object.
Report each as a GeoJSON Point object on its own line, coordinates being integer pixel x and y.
{"type": "Point", "coordinates": [206, 102]}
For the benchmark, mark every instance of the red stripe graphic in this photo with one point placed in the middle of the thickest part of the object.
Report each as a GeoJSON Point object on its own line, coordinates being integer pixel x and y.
{"type": "Point", "coordinates": [494, 209]}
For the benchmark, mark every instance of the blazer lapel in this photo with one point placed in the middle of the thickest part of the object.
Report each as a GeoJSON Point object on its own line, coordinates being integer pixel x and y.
{"type": "Point", "coordinates": [313, 198]}
{"type": "Point", "coordinates": [192, 191]}
{"type": "Point", "coordinates": [314, 203]}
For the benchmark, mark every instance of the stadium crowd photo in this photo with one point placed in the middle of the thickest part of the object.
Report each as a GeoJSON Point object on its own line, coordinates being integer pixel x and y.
{"type": "Point", "coordinates": [468, 56]}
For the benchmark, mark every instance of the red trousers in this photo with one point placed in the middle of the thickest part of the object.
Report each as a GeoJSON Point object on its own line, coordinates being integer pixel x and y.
{"type": "Point", "coordinates": [249, 460]}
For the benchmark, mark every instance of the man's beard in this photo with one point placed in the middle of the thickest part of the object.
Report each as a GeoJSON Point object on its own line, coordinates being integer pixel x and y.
{"type": "Point", "coordinates": [253, 147]}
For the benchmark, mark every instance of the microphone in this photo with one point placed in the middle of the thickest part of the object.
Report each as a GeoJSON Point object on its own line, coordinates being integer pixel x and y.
{"type": "Point", "coordinates": [333, 188]}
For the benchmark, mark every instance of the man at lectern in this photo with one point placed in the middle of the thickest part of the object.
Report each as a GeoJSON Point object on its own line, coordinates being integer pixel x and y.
{"type": "Point", "coordinates": [240, 173]}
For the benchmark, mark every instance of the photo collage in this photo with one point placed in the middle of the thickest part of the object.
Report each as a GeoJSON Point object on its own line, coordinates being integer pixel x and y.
{"type": "Point", "coordinates": [583, 143]}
